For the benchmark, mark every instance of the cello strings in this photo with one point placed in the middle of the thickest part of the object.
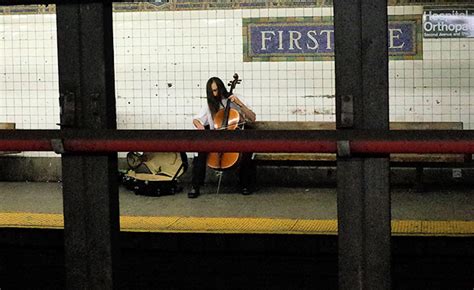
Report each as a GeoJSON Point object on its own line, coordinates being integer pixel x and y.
{"type": "Point", "coordinates": [238, 124]}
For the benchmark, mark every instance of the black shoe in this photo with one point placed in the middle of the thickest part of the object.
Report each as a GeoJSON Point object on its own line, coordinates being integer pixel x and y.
{"type": "Point", "coordinates": [246, 191]}
{"type": "Point", "coordinates": [193, 193]}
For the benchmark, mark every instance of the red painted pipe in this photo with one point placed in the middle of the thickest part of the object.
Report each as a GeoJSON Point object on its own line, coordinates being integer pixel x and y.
{"type": "Point", "coordinates": [26, 145]}
{"type": "Point", "coordinates": [357, 146]}
{"type": "Point", "coordinates": [206, 146]}
{"type": "Point", "coordinates": [442, 146]}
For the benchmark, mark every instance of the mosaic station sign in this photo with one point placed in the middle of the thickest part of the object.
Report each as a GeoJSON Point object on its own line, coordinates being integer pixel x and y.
{"type": "Point", "coordinates": [280, 39]}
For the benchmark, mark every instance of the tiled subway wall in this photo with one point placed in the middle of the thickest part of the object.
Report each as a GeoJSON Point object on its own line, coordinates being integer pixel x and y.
{"type": "Point", "coordinates": [29, 71]}
{"type": "Point", "coordinates": [163, 59]}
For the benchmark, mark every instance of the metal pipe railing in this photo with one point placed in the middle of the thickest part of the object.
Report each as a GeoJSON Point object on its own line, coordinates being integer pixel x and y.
{"type": "Point", "coordinates": [321, 141]}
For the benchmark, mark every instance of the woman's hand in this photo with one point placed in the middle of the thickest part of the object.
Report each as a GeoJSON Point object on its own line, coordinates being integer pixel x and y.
{"type": "Point", "coordinates": [235, 100]}
{"type": "Point", "coordinates": [198, 124]}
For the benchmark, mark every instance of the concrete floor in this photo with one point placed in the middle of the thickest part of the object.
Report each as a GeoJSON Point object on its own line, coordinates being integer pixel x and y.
{"type": "Point", "coordinates": [270, 202]}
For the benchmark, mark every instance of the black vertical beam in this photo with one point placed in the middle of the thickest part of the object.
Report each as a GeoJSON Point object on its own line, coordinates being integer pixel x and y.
{"type": "Point", "coordinates": [363, 181]}
{"type": "Point", "coordinates": [90, 189]}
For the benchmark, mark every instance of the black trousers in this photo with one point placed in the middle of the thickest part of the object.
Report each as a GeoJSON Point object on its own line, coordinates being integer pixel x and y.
{"type": "Point", "coordinates": [247, 170]}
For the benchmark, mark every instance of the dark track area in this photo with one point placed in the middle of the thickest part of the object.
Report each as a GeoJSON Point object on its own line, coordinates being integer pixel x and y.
{"type": "Point", "coordinates": [33, 259]}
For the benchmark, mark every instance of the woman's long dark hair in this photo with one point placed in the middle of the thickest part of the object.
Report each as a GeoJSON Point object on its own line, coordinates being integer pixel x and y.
{"type": "Point", "coordinates": [213, 102]}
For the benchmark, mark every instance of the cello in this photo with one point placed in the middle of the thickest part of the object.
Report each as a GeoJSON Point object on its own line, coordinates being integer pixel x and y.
{"type": "Point", "coordinates": [226, 119]}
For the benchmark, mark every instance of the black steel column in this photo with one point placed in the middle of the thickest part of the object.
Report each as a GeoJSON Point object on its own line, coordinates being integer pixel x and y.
{"type": "Point", "coordinates": [90, 190]}
{"type": "Point", "coordinates": [363, 181]}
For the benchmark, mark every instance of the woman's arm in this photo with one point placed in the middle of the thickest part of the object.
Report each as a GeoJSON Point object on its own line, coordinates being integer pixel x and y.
{"type": "Point", "coordinates": [201, 119]}
{"type": "Point", "coordinates": [248, 114]}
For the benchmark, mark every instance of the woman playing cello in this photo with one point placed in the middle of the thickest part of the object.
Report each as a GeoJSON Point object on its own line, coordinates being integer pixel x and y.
{"type": "Point", "coordinates": [217, 99]}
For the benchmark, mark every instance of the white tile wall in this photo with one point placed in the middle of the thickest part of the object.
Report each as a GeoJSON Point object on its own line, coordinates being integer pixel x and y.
{"type": "Point", "coordinates": [193, 47]}
{"type": "Point", "coordinates": [163, 60]}
{"type": "Point", "coordinates": [28, 71]}
{"type": "Point", "coordinates": [437, 88]}
{"type": "Point", "coordinates": [29, 93]}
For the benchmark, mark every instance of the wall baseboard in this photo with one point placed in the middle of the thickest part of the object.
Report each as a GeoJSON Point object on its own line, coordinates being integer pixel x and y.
{"type": "Point", "coordinates": [48, 169]}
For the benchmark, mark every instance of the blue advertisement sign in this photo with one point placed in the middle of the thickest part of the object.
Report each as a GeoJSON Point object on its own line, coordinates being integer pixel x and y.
{"type": "Point", "coordinates": [443, 23]}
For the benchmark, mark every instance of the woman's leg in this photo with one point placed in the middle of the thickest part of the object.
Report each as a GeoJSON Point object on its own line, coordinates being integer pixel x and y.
{"type": "Point", "coordinates": [199, 173]}
{"type": "Point", "coordinates": [247, 173]}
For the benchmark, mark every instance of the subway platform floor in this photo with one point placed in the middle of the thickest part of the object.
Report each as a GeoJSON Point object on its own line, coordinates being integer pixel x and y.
{"type": "Point", "coordinates": [451, 207]}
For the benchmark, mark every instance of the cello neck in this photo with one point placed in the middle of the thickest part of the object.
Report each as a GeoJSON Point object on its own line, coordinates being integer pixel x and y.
{"type": "Point", "coordinates": [225, 120]}
{"type": "Point", "coordinates": [232, 84]}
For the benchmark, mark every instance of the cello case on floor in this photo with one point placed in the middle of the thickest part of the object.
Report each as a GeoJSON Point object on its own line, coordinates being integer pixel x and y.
{"type": "Point", "coordinates": [154, 173]}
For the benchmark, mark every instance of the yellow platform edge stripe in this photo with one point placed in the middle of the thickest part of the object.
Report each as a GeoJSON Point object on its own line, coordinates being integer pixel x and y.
{"type": "Point", "coordinates": [233, 225]}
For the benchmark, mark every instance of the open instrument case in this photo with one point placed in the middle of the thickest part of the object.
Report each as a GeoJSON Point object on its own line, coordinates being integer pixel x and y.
{"type": "Point", "coordinates": [154, 173]}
